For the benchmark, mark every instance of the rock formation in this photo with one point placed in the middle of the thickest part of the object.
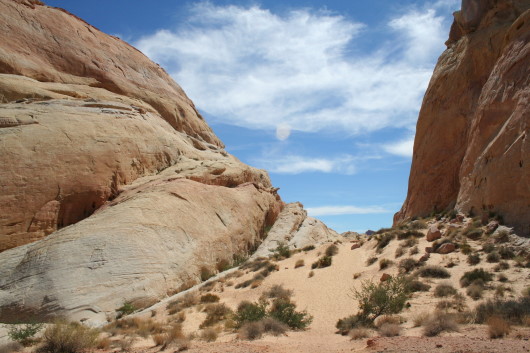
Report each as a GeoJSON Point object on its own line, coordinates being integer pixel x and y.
{"type": "Point", "coordinates": [471, 150]}
{"type": "Point", "coordinates": [113, 187]}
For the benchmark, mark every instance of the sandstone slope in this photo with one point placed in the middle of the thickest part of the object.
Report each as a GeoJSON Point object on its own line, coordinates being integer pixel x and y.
{"type": "Point", "coordinates": [471, 149]}
{"type": "Point", "coordinates": [113, 187]}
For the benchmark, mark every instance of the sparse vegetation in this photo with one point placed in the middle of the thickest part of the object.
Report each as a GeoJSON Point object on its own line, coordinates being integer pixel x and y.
{"type": "Point", "coordinates": [400, 251]}
{"type": "Point", "coordinates": [383, 240]}
{"type": "Point", "coordinates": [63, 337]}
{"type": "Point", "coordinates": [126, 309]}
{"type": "Point", "coordinates": [332, 250]}
{"type": "Point", "coordinates": [420, 319]}
{"type": "Point", "coordinates": [346, 324]}
{"type": "Point", "coordinates": [413, 285]}
{"type": "Point", "coordinates": [506, 253]}
{"type": "Point", "coordinates": [414, 250]}
{"type": "Point", "coordinates": [385, 263]}
{"type": "Point", "coordinates": [475, 290]}
{"type": "Point", "coordinates": [209, 335]}
{"type": "Point", "coordinates": [389, 330]}
{"type": "Point", "coordinates": [371, 260]}
{"type": "Point", "coordinates": [493, 257]}
{"type": "Point", "coordinates": [308, 248]}
{"type": "Point", "coordinates": [324, 261]}
{"type": "Point", "coordinates": [498, 327]}
{"type": "Point", "coordinates": [24, 333]}
{"type": "Point", "coordinates": [473, 259]}
{"type": "Point", "coordinates": [278, 292]}
{"type": "Point", "coordinates": [359, 333]}
{"type": "Point", "coordinates": [444, 290]}
{"type": "Point", "coordinates": [206, 273]}
{"type": "Point", "coordinates": [209, 298]}
{"type": "Point", "coordinates": [407, 265]}
{"type": "Point", "coordinates": [513, 311]}
{"type": "Point", "coordinates": [215, 313]}
{"type": "Point", "coordinates": [438, 323]}
{"type": "Point", "coordinates": [281, 251]}
{"type": "Point", "coordinates": [433, 272]}
{"type": "Point", "coordinates": [477, 274]}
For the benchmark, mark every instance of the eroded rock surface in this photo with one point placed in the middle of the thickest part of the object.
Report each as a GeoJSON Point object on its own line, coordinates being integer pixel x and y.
{"type": "Point", "coordinates": [471, 150]}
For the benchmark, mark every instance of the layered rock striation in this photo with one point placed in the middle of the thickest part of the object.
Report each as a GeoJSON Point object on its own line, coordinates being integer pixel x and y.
{"type": "Point", "coordinates": [472, 149]}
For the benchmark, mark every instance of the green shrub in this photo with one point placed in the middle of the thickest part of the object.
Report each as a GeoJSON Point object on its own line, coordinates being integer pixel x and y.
{"type": "Point", "coordinates": [324, 261]}
{"type": "Point", "coordinates": [488, 247]}
{"type": "Point", "coordinates": [62, 337]}
{"type": "Point", "coordinates": [473, 259]}
{"type": "Point", "coordinates": [332, 250]}
{"type": "Point", "coordinates": [477, 274]}
{"type": "Point", "coordinates": [284, 311]}
{"type": "Point", "coordinates": [433, 272]}
{"type": "Point", "coordinates": [465, 248]}
{"type": "Point", "coordinates": [23, 333]}
{"type": "Point", "coordinates": [281, 251]}
{"type": "Point", "coordinates": [250, 312]}
{"type": "Point", "coordinates": [346, 324]}
{"type": "Point", "coordinates": [384, 240]}
{"type": "Point", "coordinates": [387, 297]}
{"type": "Point", "coordinates": [473, 233]}
{"type": "Point", "coordinates": [506, 253]}
{"type": "Point", "coordinates": [444, 290]}
{"type": "Point", "coordinates": [126, 309]}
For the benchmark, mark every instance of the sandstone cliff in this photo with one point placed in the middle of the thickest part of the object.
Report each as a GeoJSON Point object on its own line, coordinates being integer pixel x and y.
{"type": "Point", "coordinates": [113, 187]}
{"type": "Point", "coordinates": [471, 150]}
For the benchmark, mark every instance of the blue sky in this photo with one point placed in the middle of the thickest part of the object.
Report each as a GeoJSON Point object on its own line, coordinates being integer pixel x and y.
{"type": "Point", "coordinates": [323, 94]}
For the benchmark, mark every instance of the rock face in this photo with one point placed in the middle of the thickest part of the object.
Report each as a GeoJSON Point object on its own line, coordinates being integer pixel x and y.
{"type": "Point", "coordinates": [113, 187]}
{"type": "Point", "coordinates": [472, 149]}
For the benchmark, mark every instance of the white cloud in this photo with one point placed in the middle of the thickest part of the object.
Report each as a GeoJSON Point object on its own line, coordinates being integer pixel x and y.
{"type": "Point", "coordinates": [400, 148]}
{"type": "Point", "coordinates": [345, 210]}
{"type": "Point", "coordinates": [293, 164]}
{"type": "Point", "coordinates": [250, 67]}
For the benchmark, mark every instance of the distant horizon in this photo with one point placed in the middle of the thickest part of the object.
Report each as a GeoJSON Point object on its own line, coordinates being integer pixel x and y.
{"type": "Point", "coordinates": [324, 95]}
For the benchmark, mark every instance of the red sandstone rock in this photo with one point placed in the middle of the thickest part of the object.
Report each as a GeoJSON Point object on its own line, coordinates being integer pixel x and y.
{"type": "Point", "coordinates": [446, 248]}
{"type": "Point", "coordinates": [385, 277]}
{"type": "Point", "coordinates": [433, 233]}
{"type": "Point", "coordinates": [355, 246]}
{"type": "Point", "coordinates": [425, 257]}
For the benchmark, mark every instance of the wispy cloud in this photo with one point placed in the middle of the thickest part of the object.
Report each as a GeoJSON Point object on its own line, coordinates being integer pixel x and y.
{"type": "Point", "coordinates": [250, 67]}
{"type": "Point", "coordinates": [401, 148]}
{"type": "Point", "coordinates": [293, 164]}
{"type": "Point", "coordinates": [345, 210]}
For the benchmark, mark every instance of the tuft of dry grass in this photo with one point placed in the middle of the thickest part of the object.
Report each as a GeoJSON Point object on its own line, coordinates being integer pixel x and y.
{"type": "Point", "coordinates": [209, 335]}
{"type": "Point", "coordinates": [420, 319]}
{"type": "Point", "coordinates": [498, 327]}
{"type": "Point", "coordinates": [11, 347]}
{"type": "Point", "coordinates": [444, 290]}
{"type": "Point", "coordinates": [385, 263]}
{"type": "Point", "coordinates": [387, 319]}
{"type": "Point", "coordinates": [68, 338]}
{"type": "Point", "coordinates": [273, 326]}
{"type": "Point", "coordinates": [299, 263]}
{"type": "Point", "coordinates": [278, 292]}
{"type": "Point", "coordinates": [359, 333]}
{"type": "Point", "coordinates": [389, 330]}
{"type": "Point", "coordinates": [438, 323]}
{"type": "Point", "coordinates": [250, 331]}
{"type": "Point", "coordinates": [311, 274]}
{"type": "Point", "coordinates": [371, 260]}
{"type": "Point", "coordinates": [215, 313]}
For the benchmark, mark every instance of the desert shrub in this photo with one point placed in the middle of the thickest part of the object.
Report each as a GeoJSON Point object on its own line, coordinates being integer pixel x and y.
{"type": "Point", "coordinates": [244, 284]}
{"type": "Point", "coordinates": [250, 331]}
{"type": "Point", "coordinates": [346, 324]}
{"type": "Point", "coordinates": [387, 319]}
{"type": "Point", "coordinates": [419, 224]}
{"type": "Point", "coordinates": [433, 272]}
{"type": "Point", "coordinates": [299, 263]}
{"type": "Point", "coordinates": [444, 290]}
{"type": "Point", "coordinates": [23, 333]}
{"type": "Point", "coordinates": [502, 236]}
{"type": "Point", "coordinates": [281, 251]}
{"type": "Point", "coordinates": [465, 248]}
{"type": "Point", "coordinates": [223, 265]}
{"type": "Point", "coordinates": [477, 274]}
{"type": "Point", "coordinates": [473, 259]}
{"type": "Point", "coordinates": [250, 312]}
{"type": "Point", "coordinates": [377, 299]}
{"type": "Point", "coordinates": [474, 291]}
{"type": "Point", "coordinates": [501, 277]}
{"type": "Point", "coordinates": [359, 333]}
{"type": "Point", "coordinates": [384, 240]}
{"type": "Point", "coordinates": [493, 257]}
{"type": "Point", "coordinates": [186, 301]}
{"type": "Point", "coordinates": [438, 323]}
{"type": "Point", "coordinates": [215, 313]}
{"type": "Point", "coordinates": [209, 335]}
{"type": "Point", "coordinates": [324, 261]}
{"type": "Point", "coordinates": [11, 347]}
{"type": "Point", "coordinates": [311, 274]}
{"type": "Point", "coordinates": [332, 250]}
{"type": "Point", "coordinates": [278, 292]}
{"type": "Point", "coordinates": [63, 337]}
{"type": "Point", "coordinates": [409, 242]}
{"type": "Point", "coordinates": [126, 309]}
{"type": "Point", "coordinates": [414, 250]}
{"type": "Point", "coordinates": [512, 310]}
{"type": "Point", "coordinates": [135, 325]}
{"type": "Point", "coordinates": [285, 311]}
{"type": "Point", "coordinates": [389, 330]}
{"type": "Point", "coordinates": [406, 265]}
{"type": "Point", "coordinates": [488, 247]}
{"type": "Point", "coordinates": [308, 248]}
{"type": "Point", "coordinates": [273, 326]}
{"type": "Point", "coordinates": [413, 285]}
{"type": "Point", "coordinates": [526, 292]}
{"type": "Point", "coordinates": [384, 263]}
{"type": "Point", "coordinates": [473, 233]}
{"type": "Point", "coordinates": [400, 251]}
{"type": "Point", "coordinates": [506, 253]}
{"type": "Point", "coordinates": [371, 260]}
{"type": "Point", "coordinates": [503, 265]}
{"type": "Point", "coordinates": [420, 319]}
{"type": "Point", "coordinates": [209, 298]}
{"type": "Point", "coordinates": [383, 230]}
{"type": "Point", "coordinates": [498, 327]}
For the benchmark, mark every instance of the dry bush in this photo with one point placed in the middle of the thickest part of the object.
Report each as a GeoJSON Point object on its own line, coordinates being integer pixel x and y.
{"type": "Point", "coordinates": [209, 335]}
{"type": "Point", "coordinates": [215, 313]}
{"type": "Point", "coordinates": [473, 259]}
{"type": "Point", "coordinates": [273, 326]}
{"type": "Point", "coordinates": [311, 274]}
{"type": "Point", "coordinates": [512, 310]}
{"type": "Point", "coordinates": [438, 323]}
{"type": "Point", "coordinates": [125, 344]}
{"type": "Point", "coordinates": [332, 250]}
{"type": "Point", "coordinates": [186, 301]}
{"type": "Point", "coordinates": [477, 274]}
{"type": "Point", "coordinates": [498, 327]}
{"type": "Point", "coordinates": [475, 291]}
{"type": "Point", "coordinates": [414, 250]}
{"type": "Point", "coordinates": [501, 266]}
{"type": "Point", "coordinates": [409, 242]}
{"type": "Point", "coordinates": [387, 319]}
{"type": "Point", "coordinates": [444, 290]}
{"type": "Point", "coordinates": [255, 284]}
{"type": "Point", "coordinates": [407, 265]}
{"type": "Point", "coordinates": [11, 347]}
{"type": "Point", "coordinates": [180, 317]}
{"type": "Point", "coordinates": [63, 337]}
{"type": "Point", "coordinates": [250, 331]}
{"type": "Point", "coordinates": [278, 292]}
{"type": "Point", "coordinates": [433, 272]}
{"type": "Point", "coordinates": [324, 261]}
{"type": "Point", "coordinates": [420, 319]}
{"type": "Point", "coordinates": [104, 343]}
{"type": "Point", "coordinates": [385, 263]}
{"type": "Point", "coordinates": [399, 252]}
{"type": "Point", "coordinates": [209, 298]}
{"type": "Point", "coordinates": [299, 263]}
{"type": "Point", "coordinates": [371, 260]}
{"type": "Point", "coordinates": [359, 333]}
{"type": "Point", "coordinates": [493, 257]}
{"type": "Point", "coordinates": [136, 325]}
{"type": "Point", "coordinates": [414, 285]}
{"type": "Point", "coordinates": [159, 339]}
{"type": "Point", "coordinates": [357, 275]}
{"type": "Point", "coordinates": [172, 337]}
{"type": "Point", "coordinates": [389, 330]}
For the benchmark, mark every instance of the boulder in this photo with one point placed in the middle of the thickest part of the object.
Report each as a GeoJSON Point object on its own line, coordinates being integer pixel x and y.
{"type": "Point", "coordinates": [424, 257]}
{"type": "Point", "coordinates": [433, 233]}
{"type": "Point", "coordinates": [355, 246]}
{"type": "Point", "coordinates": [385, 277]}
{"type": "Point", "coordinates": [446, 248]}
